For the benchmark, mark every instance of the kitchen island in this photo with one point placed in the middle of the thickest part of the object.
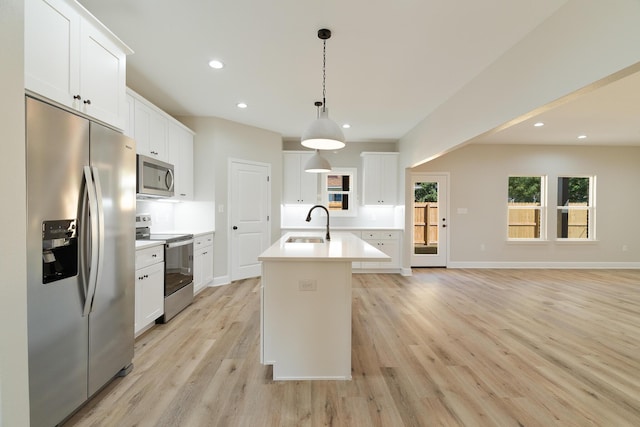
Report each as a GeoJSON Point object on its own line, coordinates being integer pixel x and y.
{"type": "Point", "coordinates": [306, 304]}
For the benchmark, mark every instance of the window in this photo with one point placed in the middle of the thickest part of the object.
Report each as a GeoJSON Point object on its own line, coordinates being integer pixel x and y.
{"type": "Point", "coordinates": [338, 190]}
{"type": "Point", "coordinates": [526, 205]}
{"type": "Point", "coordinates": [576, 207]}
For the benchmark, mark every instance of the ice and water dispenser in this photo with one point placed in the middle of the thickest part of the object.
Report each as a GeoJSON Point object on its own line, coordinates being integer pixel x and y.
{"type": "Point", "coordinates": [59, 250]}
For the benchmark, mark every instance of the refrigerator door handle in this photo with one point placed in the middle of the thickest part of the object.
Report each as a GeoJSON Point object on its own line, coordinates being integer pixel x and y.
{"type": "Point", "coordinates": [83, 235]}
{"type": "Point", "coordinates": [96, 180]}
{"type": "Point", "coordinates": [93, 216]}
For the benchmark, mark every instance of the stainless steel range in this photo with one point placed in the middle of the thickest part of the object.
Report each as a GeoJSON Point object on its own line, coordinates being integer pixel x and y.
{"type": "Point", "coordinates": [178, 267]}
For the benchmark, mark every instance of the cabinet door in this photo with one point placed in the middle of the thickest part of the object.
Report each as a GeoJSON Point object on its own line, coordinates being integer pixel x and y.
{"type": "Point", "coordinates": [371, 178]}
{"type": "Point", "coordinates": [391, 248]}
{"type": "Point", "coordinates": [181, 156]}
{"type": "Point", "coordinates": [379, 178]}
{"type": "Point", "coordinates": [388, 179]}
{"type": "Point", "coordinates": [198, 273]}
{"type": "Point", "coordinates": [207, 266]}
{"type": "Point", "coordinates": [52, 50]}
{"type": "Point", "coordinates": [128, 127]}
{"type": "Point", "coordinates": [300, 187]}
{"type": "Point", "coordinates": [149, 295]}
{"type": "Point", "coordinates": [150, 129]}
{"type": "Point", "coordinates": [102, 76]}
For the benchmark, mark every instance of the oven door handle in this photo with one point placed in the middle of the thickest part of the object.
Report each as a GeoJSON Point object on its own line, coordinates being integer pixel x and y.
{"type": "Point", "coordinates": [179, 243]}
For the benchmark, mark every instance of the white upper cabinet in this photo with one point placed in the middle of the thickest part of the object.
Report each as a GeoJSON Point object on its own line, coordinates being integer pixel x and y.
{"type": "Point", "coordinates": [151, 131]}
{"type": "Point", "coordinates": [300, 187]}
{"type": "Point", "coordinates": [379, 178]}
{"type": "Point", "coordinates": [72, 59]}
{"type": "Point", "coordinates": [160, 136]}
{"type": "Point", "coordinates": [181, 156]}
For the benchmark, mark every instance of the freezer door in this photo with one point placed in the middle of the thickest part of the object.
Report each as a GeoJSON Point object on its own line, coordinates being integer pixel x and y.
{"type": "Point", "coordinates": [57, 147]}
{"type": "Point", "coordinates": [111, 331]}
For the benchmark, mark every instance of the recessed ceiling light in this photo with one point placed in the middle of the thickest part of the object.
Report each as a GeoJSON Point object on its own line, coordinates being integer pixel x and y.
{"type": "Point", "coordinates": [346, 126]}
{"type": "Point", "coordinates": [241, 105]}
{"type": "Point", "coordinates": [539, 124]}
{"type": "Point", "coordinates": [215, 64]}
{"type": "Point", "coordinates": [582, 137]}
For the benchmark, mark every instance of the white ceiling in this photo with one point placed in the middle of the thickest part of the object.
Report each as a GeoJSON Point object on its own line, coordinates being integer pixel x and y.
{"type": "Point", "coordinates": [389, 63]}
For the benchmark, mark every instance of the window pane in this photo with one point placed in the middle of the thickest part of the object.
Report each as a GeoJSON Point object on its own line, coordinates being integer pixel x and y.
{"type": "Point", "coordinates": [574, 207]}
{"type": "Point", "coordinates": [525, 190]}
{"type": "Point", "coordinates": [524, 201]}
{"type": "Point", "coordinates": [573, 190]}
{"type": "Point", "coordinates": [524, 223]}
{"type": "Point", "coordinates": [573, 223]}
{"type": "Point", "coordinates": [425, 227]}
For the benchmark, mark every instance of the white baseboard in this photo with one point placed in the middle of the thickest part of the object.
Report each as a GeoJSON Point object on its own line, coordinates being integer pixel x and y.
{"type": "Point", "coordinates": [220, 280]}
{"type": "Point", "coordinates": [548, 265]}
{"type": "Point", "coordinates": [376, 270]}
{"type": "Point", "coordinates": [405, 272]}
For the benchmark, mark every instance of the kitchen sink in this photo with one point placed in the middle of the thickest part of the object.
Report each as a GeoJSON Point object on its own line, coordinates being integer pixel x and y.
{"type": "Point", "coordinates": [304, 239]}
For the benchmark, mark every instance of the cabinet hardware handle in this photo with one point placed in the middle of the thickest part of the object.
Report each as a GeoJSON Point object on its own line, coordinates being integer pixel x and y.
{"type": "Point", "coordinates": [235, 227]}
{"type": "Point", "coordinates": [87, 101]}
{"type": "Point", "coordinates": [78, 97]}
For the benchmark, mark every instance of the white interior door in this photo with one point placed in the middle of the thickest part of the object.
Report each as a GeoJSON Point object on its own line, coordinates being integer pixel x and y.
{"type": "Point", "coordinates": [249, 214]}
{"type": "Point", "coordinates": [429, 207]}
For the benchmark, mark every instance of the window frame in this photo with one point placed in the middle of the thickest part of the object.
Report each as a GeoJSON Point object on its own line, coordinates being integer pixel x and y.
{"type": "Point", "coordinates": [353, 205]}
{"type": "Point", "coordinates": [542, 208]}
{"type": "Point", "coordinates": [590, 208]}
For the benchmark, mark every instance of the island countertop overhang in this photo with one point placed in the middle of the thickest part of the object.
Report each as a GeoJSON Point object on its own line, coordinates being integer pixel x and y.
{"type": "Point", "coordinates": [343, 247]}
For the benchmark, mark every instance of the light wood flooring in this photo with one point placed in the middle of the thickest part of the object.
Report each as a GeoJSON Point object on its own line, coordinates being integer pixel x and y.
{"type": "Point", "coordinates": [443, 347]}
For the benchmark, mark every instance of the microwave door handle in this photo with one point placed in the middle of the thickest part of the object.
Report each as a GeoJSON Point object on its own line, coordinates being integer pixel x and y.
{"type": "Point", "coordinates": [93, 217]}
{"type": "Point", "coordinates": [168, 179]}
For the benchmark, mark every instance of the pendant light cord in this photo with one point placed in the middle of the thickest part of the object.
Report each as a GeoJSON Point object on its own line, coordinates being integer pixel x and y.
{"type": "Point", "coordinates": [324, 74]}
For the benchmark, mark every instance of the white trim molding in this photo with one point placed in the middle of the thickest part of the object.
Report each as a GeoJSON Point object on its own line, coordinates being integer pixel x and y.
{"type": "Point", "coordinates": [547, 265]}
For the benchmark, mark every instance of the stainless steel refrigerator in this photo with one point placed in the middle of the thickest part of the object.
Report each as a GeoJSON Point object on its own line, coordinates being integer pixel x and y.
{"type": "Point", "coordinates": [81, 252]}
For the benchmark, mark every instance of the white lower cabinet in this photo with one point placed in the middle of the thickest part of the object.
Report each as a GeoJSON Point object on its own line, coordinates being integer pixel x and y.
{"type": "Point", "coordinates": [149, 292]}
{"type": "Point", "coordinates": [202, 261]}
{"type": "Point", "coordinates": [387, 242]}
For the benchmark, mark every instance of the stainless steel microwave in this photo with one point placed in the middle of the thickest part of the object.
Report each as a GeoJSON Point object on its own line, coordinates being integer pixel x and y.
{"type": "Point", "coordinates": [155, 178]}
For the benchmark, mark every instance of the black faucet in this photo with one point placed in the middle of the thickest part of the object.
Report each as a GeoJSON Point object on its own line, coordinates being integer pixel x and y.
{"type": "Point", "coordinates": [325, 209]}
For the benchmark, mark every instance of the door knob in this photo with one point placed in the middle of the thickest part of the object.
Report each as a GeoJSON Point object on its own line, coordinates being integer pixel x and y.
{"type": "Point", "coordinates": [235, 227]}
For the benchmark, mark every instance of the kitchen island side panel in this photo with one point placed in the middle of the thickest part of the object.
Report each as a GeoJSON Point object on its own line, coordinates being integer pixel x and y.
{"type": "Point", "coordinates": [306, 315]}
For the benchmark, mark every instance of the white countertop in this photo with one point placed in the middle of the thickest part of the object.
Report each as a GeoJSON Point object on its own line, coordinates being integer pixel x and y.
{"type": "Point", "coordinates": [341, 247]}
{"type": "Point", "coordinates": [141, 244]}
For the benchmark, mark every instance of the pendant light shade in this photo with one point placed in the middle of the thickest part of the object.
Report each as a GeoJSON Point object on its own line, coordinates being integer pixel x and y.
{"type": "Point", "coordinates": [317, 164]}
{"type": "Point", "coordinates": [323, 134]}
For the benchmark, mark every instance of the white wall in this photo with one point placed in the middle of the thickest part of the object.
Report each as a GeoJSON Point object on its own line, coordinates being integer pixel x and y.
{"type": "Point", "coordinates": [216, 141]}
{"type": "Point", "coordinates": [14, 393]}
{"type": "Point", "coordinates": [478, 182]}
{"type": "Point", "coordinates": [583, 42]}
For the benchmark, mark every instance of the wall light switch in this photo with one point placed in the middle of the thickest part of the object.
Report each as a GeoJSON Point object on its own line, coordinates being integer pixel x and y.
{"type": "Point", "coordinates": [220, 208]}
{"type": "Point", "coordinates": [307, 285]}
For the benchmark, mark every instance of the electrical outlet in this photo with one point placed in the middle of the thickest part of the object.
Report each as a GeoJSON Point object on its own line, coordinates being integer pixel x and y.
{"type": "Point", "coordinates": [482, 247]}
{"type": "Point", "coordinates": [307, 285]}
{"type": "Point", "coordinates": [625, 248]}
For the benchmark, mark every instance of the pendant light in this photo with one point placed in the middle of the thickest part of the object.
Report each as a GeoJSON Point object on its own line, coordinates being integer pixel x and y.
{"type": "Point", "coordinates": [317, 163]}
{"type": "Point", "coordinates": [323, 134]}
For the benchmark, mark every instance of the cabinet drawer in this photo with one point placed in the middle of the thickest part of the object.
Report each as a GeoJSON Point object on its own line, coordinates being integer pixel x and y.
{"type": "Point", "coordinates": [381, 235]}
{"type": "Point", "coordinates": [149, 256]}
{"type": "Point", "coordinates": [203, 241]}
